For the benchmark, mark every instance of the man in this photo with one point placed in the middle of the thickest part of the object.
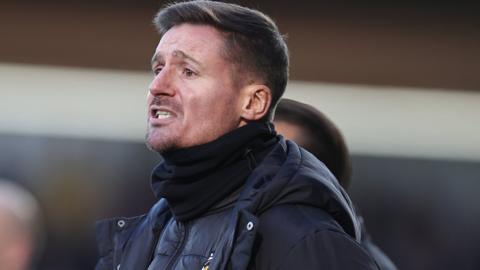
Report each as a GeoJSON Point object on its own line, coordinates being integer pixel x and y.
{"type": "Point", "coordinates": [232, 194]}
{"type": "Point", "coordinates": [313, 131]}
{"type": "Point", "coordinates": [19, 227]}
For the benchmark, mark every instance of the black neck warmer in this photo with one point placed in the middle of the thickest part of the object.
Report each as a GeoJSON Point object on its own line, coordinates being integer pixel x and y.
{"type": "Point", "coordinates": [194, 179]}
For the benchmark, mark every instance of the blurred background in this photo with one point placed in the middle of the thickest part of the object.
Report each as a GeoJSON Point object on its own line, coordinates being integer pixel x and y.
{"type": "Point", "coordinates": [399, 78]}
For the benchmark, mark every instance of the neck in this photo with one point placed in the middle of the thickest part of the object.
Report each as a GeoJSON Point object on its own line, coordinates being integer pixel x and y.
{"type": "Point", "coordinates": [195, 179]}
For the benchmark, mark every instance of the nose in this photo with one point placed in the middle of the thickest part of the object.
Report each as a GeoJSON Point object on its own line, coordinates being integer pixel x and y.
{"type": "Point", "coordinates": [162, 83]}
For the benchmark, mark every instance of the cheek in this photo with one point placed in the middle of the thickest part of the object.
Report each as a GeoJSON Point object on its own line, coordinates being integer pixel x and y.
{"type": "Point", "coordinates": [210, 101]}
{"type": "Point", "coordinates": [202, 103]}
{"type": "Point", "coordinates": [211, 113]}
{"type": "Point", "coordinates": [222, 106]}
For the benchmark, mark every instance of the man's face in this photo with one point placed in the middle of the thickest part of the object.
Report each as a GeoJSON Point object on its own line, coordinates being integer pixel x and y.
{"type": "Point", "coordinates": [192, 98]}
{"type": "Point", "coordinates": [15, 242]}
{"type": "Point", "coordinates": [289, 131]}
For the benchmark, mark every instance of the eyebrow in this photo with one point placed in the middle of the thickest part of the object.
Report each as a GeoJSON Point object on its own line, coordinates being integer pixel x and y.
{"type": "Point", "coordinates": [176, 54]}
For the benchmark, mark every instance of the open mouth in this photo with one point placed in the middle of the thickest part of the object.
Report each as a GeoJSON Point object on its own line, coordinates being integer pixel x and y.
{"type": "Point", "coordinates": [162, 114]}
{"type": "Point", "coordinates": [159, 113]}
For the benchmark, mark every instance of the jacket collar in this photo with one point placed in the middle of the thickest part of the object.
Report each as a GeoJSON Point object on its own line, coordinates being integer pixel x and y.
{"type": "Point", "coordinates": [291, 175]}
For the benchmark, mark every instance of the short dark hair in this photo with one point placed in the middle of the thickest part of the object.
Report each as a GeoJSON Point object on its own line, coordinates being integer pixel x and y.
{"type": "Point", "coordinates": [320, 137]}
{"type": "Point", "coordinates": [253, 41]}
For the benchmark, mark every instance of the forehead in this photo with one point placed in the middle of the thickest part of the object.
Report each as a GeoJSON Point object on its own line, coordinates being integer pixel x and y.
{"type": "Point", "coordinates": [201, 41]}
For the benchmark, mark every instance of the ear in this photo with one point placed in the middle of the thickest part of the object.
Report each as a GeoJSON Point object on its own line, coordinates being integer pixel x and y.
{"type": "Point", "coordinates": [256, 102]}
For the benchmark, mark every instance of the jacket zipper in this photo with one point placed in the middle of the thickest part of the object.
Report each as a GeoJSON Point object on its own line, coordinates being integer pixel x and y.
{"type": "Point", "coordinates": [180, 247]}
{"type": "Point", "coordinates": [152, 252]}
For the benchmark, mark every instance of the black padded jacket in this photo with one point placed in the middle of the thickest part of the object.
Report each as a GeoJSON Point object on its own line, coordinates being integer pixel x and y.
{"type": "Point", "coordinates": [290, 214]}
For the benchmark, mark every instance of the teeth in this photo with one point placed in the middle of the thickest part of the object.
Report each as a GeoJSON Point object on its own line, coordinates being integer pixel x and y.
{"type": "Point", "coordinates": [162, 114]}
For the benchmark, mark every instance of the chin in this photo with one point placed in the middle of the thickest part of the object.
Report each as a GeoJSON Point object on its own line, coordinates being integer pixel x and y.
{"type": "Point", "coordinates": [157, 144]}
{"type": "Point", "coordinates": [160, 148]}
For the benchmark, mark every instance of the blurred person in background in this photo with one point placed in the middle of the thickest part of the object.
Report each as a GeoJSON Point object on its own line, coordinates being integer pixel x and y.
{"type": "Point", "coordinates": [315, 132]}
{"type": "Point", "coordinates": [232, 193]}
{"type": "Point", "coordinates": [20, 227]}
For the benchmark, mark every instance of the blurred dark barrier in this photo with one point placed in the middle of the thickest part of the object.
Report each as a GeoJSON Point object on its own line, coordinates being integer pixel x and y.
{"type": "Point", "coordinates": [423, 213]}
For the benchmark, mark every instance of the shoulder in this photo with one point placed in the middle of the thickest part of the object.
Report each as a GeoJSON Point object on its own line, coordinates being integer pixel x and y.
{"type": "Point", "coordinates": [305, 237]}
{"type": "Point", "coordinates": [380, 257]}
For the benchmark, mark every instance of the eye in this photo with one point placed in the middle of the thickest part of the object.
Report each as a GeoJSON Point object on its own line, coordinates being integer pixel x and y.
{"type": "Point", "coordinates": [157, 70]}
{"type": "Point", "coordinates": [188, 72]}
